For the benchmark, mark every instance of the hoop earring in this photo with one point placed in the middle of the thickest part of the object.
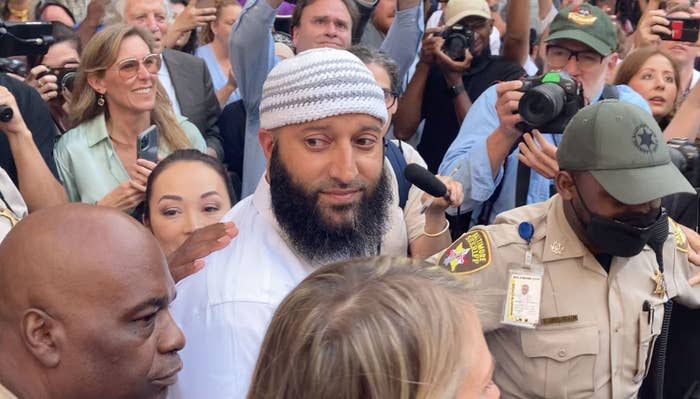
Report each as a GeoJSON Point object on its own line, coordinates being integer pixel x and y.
{"type": "Point", "coordinates": [101, 100]}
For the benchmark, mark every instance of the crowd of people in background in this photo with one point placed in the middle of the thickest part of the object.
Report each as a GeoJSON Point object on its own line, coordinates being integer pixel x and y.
{"type": "Point", "coordinates": [349, 199]}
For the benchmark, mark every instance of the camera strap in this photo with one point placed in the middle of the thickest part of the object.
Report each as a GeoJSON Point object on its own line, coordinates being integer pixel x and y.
{"type": "Point", "coordinates": [398, 163]}
{"type": "Point", "coordinates": [610, 92]}
{"type": "Point", "coordinates": [522, 185]}
{"type": "Point", "coordinates": [487, 207]}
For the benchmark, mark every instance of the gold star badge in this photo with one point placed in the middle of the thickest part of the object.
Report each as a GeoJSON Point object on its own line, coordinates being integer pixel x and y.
{"type": "Point", "coordinates": [660, 282]}
{"type": "Point", "coordinates": [6, 213]}
{"type": "Point", "coordinates": [557, 248]}
{"type": "Point", "coordinates": [469, 254]}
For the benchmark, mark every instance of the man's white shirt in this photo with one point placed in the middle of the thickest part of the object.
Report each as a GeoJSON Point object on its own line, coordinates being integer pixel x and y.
{"type": "Point", "coordinates": [225, 308]}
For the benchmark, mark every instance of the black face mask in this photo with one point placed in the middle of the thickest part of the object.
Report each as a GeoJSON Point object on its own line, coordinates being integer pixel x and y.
{"type": "Point", "coordinates": [625, 235]}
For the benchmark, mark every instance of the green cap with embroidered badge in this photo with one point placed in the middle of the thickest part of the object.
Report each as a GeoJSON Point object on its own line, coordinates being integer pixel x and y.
{"type": "Point", "coordinates": [587, 24]}
{"type": "Point", "coordinates": [622, 146]}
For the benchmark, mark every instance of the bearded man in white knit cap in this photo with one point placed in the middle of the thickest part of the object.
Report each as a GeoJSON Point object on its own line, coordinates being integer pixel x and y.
{"type": "Point", "coordinates": [326, 196]}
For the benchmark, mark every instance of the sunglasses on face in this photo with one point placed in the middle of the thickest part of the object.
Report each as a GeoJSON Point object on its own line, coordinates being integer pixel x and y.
{"type": "Point", "coordinates": [128, 68]}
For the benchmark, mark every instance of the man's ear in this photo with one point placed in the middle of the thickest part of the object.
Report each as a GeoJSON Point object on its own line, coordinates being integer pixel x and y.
{"type": "Point", "coordinates": [611, 67]}
{"type": "Point", "coordinates": [295, 38]}
{"type": "Point", "coordinates": [565, 185]}
{"type": "Point", "coordinates": [267, 142]}
{"type": "Point", "coordinates": [41, 334]}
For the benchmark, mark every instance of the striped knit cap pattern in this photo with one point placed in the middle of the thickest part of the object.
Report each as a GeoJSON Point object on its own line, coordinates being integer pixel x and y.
{"type": "Point", "coordinates": [317, 84]}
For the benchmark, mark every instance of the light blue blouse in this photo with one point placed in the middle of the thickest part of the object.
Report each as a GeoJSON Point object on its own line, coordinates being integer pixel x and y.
{"type": "Point", "coordinates": [218, 78]}
{"type": "Point", "coordinates": [88, 165]}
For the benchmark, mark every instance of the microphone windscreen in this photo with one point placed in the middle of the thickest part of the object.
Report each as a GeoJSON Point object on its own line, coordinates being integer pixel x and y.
{"type": "Point", "coordinates": [425, 180]}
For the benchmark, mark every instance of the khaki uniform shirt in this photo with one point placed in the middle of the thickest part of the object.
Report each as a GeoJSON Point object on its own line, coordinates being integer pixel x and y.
{"type": "Point", "coordinates": [5, 394]}
{"type": "Point", "coordinates": [593, 339]}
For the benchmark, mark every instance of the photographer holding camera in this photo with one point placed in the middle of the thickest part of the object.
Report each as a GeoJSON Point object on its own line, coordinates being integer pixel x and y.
{"type": "Point", "coordinates": [581, 44]}
{"type": "Point", "coordinates": [455, 67]}
{"type": "Point", "coordinates": [53, 74]}
{"type": "Point", "coordinates": [26, 179]}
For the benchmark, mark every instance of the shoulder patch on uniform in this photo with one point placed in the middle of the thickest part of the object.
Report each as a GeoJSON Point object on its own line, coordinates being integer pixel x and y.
{"type": "Point", "coordinates": [469, 254]}
{"type": "Point", "coordinates": [678, 235]}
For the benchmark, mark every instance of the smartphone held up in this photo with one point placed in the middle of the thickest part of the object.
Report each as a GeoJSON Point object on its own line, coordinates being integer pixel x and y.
{"type": "Point", "coordinates": [147, 144]}
{"type": "Point", "coordinates": [682, 30]}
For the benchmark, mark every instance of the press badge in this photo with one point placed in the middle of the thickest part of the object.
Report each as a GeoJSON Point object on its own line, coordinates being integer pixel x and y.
{"type": "Point", "coordinates": [524, 290]}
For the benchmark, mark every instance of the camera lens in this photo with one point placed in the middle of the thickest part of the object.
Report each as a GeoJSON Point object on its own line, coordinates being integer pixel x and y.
{"type": "Point", "coordinates": [454, 48]}
{"type": "Point", "coordinates": [457, 39]}
{"type": "Point", "coordinates": [68, 80]}
{"type": "Point", "coordinates": [541, 104]}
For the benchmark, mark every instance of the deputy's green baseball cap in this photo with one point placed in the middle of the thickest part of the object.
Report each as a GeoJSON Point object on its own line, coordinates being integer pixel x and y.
{"type": "Point", "coordinates": [621, 145]}
{"type": "Point", "coordinates": [587, 24]}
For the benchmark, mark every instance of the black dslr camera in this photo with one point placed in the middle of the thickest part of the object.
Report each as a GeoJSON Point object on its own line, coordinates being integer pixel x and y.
{"type": "Point", "coordinates": [686, 156]}
{"type": "Point", "coordinates": [65, 77]}
{"type": "Point", "coordinates": [11, 65]}
{"type": "Point", "coordinates": [457, 39]}
{"type": "Point", "coordinates": [24, 38]}
{"type": "Point", "coordinates": [549, 102]}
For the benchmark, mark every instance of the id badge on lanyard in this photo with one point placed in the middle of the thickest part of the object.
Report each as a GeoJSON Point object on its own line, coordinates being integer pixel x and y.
{"type": "Point", "coordinates": [524, 290]}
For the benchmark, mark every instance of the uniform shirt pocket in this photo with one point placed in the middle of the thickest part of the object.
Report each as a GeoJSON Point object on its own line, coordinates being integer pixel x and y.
{"type": "Point", "coordinates": [564, 359]}
{"type": "Point", "coordinates": [649, 329]}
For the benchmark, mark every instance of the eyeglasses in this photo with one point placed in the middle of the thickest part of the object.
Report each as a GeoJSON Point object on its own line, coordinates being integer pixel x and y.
{"type": "Point", "coordinates": [129, 67]}
{"type": "Point", "coordinates": [390, 98]}
{"type": "Point", "coordinates": [558, 57]}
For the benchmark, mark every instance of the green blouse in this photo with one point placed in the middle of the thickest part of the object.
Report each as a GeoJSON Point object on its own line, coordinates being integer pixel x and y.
{"type": "Point", "coordinates": [88, 165]}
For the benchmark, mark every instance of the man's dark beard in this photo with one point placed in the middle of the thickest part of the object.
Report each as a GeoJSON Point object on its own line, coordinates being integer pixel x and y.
{"type": "Point", "coordinates": [311, 234]}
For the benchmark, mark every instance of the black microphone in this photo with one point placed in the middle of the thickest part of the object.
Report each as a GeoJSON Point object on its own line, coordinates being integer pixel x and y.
{"type": "Point", "coordinates": [425, 180]}
{"type": "Point", "coordinates": [659, 236]}
{"type": "Point", "coordinates": [6, 113]}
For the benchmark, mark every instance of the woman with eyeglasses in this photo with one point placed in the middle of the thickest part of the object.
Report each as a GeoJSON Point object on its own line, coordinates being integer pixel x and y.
{"type": "Point", "coordinates": [116, 97]}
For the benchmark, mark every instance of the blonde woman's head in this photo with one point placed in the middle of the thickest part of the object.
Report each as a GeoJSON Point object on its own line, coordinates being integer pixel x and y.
{"type": "Point", "coordinates": [115, 63]}
{"type": "Point", "coordinates": [375, 328]}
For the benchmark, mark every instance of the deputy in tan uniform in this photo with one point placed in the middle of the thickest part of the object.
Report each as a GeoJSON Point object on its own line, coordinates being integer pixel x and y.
{"type": "Point", "coordinates": [597, 309]}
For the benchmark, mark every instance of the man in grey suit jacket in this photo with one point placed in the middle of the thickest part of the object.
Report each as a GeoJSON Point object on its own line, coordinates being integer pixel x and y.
{"type": "Point", "coordinates": [194, 93]}
{"type": "Point", "coordinates": [185, 77]}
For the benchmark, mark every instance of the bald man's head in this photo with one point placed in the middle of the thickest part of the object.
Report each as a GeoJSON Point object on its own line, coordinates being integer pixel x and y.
{"type": "Point", "coordinates": [84, 295]}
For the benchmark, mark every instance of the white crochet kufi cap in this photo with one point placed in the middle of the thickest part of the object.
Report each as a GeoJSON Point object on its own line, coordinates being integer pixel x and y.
{"type": "Point", "coordinates": [317, 84]}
